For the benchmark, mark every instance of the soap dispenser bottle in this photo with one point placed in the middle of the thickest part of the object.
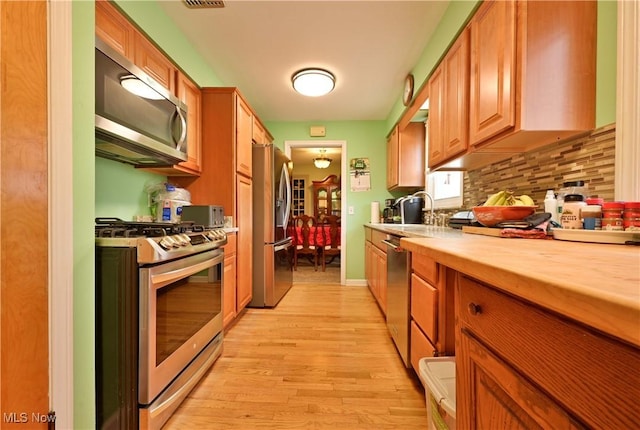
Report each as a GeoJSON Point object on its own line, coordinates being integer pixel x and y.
{"type": "Point", "coordinates": [551, 205]}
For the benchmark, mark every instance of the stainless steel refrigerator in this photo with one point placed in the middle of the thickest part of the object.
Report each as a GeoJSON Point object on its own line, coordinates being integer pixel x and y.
{"type": "Point", "coordinates": [272, 244]}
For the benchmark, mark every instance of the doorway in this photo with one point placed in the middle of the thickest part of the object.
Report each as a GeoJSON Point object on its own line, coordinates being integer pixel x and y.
{"type": "Point", "coordinates": [304, 173]}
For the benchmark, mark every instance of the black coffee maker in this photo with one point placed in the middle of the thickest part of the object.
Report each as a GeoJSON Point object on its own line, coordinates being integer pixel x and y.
{"type": "Point", "coordinates": [390, 211]}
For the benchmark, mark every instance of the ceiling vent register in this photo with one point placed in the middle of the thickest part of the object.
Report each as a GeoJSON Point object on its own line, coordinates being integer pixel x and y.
{"type": "Point", "coordinates": [203, 4]}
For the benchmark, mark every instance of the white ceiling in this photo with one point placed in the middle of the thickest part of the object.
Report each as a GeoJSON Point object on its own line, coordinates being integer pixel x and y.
{"type": "Point", "coordinates": [369, 45]}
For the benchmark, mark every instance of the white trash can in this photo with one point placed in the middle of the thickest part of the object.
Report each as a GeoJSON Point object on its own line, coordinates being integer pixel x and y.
{"type": "Point", "coordinates": [438, 375]}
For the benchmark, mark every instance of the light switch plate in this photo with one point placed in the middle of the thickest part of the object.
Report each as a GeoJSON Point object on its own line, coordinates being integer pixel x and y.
{"type": "Point", "coordinates": [317, 131]}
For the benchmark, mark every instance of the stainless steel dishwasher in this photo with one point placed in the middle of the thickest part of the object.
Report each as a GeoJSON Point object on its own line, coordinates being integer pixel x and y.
{"type": "Point", "coordinates": [398, 295]}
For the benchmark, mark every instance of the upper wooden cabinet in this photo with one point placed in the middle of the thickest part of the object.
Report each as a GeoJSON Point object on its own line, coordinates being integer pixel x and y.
{"type": "Point", "coordinates": [493, 33]}
{"type": "Point", "coordinates": [533, 73]}
{"type": "Point", "coordinates": [531, 82]}
{"type": "Point", "coordinates": [189, 94]}
{"type": "Point", "coordinates": [244, 137]}
{"type": "Point", "coordinates": [114, 29]}
{"type": "Point", "coordinates": [260, 135]}
{"type": "Point", "coordinates": [406, 157]}
{"type": "Point", "coordinates": [449, 104]}
{"type": "Point", "coordinates": [154, 62]}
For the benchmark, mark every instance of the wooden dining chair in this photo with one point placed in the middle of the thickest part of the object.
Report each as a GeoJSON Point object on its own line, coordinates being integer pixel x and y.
{"type": "Point", "coordinates": [305, 234]}
{"type": "Point", "coordinates": [331, 239]}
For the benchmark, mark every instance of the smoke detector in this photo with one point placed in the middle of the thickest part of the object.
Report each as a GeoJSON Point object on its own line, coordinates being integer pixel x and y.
{"type": "Point", "coordinates": [202, 4]}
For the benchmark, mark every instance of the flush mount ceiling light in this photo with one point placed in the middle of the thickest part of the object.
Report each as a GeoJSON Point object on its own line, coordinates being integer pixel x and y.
{"type": "Point", "coordinates": [313, 82]}
{"type": "Point", "coordinates": [139, 88]}
{"type": "Point", "coordinates": [322, 162]}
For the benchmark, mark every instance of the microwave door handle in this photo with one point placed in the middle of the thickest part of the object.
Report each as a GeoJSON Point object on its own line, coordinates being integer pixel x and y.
{"type": "Point", "coordinates": [183, 128]}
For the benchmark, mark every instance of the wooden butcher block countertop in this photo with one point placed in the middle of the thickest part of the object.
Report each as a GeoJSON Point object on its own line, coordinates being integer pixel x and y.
{"type": "Point", "coordinates": [596, 284]}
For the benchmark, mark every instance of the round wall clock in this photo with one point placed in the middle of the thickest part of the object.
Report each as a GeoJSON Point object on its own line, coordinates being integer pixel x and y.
{"type": "Point", "coordinates": [408, 90]}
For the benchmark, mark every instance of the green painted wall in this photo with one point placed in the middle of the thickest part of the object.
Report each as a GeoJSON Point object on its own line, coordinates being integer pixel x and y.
{"type": "Point", "coordinates": [457, 14]}
{"type": "Point", "coordinates": [120, 189]}
{"type": "Point", "coordinates": [606, 66]}
{"type": "Point", "coordinates": [83, 224]}
{"type": "Point", "coordinates": [105, 187]}
{"type": "Point", "coordinates": [364, 139]}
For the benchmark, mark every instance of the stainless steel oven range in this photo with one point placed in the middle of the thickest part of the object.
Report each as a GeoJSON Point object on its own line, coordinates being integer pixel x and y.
{"type": "Point", "coordinates": [158, 317]}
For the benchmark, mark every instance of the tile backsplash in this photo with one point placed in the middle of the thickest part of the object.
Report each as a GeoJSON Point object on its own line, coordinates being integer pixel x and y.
{"type": "Point", "coordinates": [589, 158]}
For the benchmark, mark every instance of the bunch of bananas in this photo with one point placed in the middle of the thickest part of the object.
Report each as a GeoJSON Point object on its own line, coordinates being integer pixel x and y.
{"type": "Point", "coordinates": [507, 198]}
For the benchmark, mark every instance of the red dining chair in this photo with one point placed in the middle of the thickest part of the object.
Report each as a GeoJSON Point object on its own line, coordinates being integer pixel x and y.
{"type": "Point", "coordinates": [305, 234]}
{"type": "Point", "coordinates": [331, 239]}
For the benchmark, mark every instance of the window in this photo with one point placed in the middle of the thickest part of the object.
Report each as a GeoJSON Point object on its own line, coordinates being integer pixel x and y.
{"type": "Point", "coordinates": [445, 188]}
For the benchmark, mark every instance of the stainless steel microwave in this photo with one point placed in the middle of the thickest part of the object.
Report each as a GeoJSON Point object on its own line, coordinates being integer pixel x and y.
{"type": "Point", "coordinates": [147, 128]}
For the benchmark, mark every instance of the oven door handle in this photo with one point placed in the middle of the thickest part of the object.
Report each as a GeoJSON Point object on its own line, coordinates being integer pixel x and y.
{"type": "Point", "coordinates": [165, 278]}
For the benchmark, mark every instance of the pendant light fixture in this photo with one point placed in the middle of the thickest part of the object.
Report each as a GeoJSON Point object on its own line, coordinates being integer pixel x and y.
{"type": "Point", "coordinates": [313, 82]}
{"type": "Point", "coordinates": [322, 162]}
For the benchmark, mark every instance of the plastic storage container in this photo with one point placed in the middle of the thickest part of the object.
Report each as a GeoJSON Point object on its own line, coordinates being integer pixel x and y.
{"type": "Point", "coordinates": [438, 375]}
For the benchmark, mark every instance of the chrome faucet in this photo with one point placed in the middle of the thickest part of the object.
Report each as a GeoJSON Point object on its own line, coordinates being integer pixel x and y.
{"type": "Point", "coordinates": [419, 193]}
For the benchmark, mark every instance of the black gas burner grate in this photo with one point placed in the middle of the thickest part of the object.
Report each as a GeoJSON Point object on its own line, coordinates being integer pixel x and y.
{"type": "Point", "coordinates": [115, 227]}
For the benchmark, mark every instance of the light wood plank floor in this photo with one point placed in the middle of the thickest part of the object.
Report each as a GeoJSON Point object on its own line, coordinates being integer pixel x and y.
{"type": "Point", "coordinates": [322, 359]}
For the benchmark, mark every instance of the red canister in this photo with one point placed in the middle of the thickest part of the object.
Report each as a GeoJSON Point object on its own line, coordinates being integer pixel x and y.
{"type": "Point", "coordinates": [631, 216]}
{"type": "Point", "coordinates": [612, 209]}
{"type": "Point", "coordinates": [594, 201]}
{"type": "Point", "coordinates": [612, 216]}
{"type": "Point", "coordinates": [631, 210]}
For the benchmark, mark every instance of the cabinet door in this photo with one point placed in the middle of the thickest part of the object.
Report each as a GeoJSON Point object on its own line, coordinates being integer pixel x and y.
{"type": "Point", "coordinates": [245, 241]}
{"type": "Point", "coordinates": [189, 93]}
{"type": "Point", "coordinates": [392, 158]}
{"type": "Point", "coordinates": [436, 117]}
{"type": "Point", "coordinates": [455, 103]}
{"type": "Point", "coordinates": [493, 71]}
{"type": "Point", "coordinates": [244, 119]}
{"type": "Point", "coordinates": [258, 132]}
{"type": "Point", "coordinates": [229, 286]}
{"type": "Point", "coordinates": [496, 397]}
{"type": "Point", "coordinates": [153, 61]}
{"type": "Point", "coordinates": [424, 307]}
{"type": "Point", "coordinates": [114, 29]}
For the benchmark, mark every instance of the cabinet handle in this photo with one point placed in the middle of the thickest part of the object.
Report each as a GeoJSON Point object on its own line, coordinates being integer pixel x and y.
{"type": "Point", "coordinates": [474, 309]}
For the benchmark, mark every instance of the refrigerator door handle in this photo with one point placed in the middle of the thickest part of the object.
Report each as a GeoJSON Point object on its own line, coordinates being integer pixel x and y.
{"type": "Point", "coordinates": [287, 186]}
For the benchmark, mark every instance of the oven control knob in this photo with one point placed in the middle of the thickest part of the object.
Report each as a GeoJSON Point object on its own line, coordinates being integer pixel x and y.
{"type": "Point", "coordinates": [179, 240]}
{"type": "Point", "coordinates": [167, 242]}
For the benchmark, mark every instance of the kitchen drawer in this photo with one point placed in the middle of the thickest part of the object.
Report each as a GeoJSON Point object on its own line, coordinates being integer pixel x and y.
{"type": "Point", "coordinates": [420, 346]}
{"type": "Point", "coordinates": [230, 247]}
{"type": "Point", "coordinates": [593, 376]}
{"type": "Point", "coordinates": [376, 238]}
{"type": "Point", "coordinates": [424, 306]}
{"type": "Point", "coordinates": [367, 234]}
{"type": "Point", "coordinates": [426, 267]}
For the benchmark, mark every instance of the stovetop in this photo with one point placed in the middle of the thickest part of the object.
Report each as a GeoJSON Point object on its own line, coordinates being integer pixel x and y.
{"type": "Point", "coordinates": [158, 241]}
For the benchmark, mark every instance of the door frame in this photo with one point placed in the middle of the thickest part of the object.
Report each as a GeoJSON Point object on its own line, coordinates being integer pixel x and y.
{"type": "Point", "coordinates": [61, 333]}
{"type": "Point", "coordinates": [342, 144]}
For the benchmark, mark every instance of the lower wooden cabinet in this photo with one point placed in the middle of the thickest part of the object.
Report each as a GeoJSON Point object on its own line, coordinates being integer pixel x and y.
{"type": "Point", "coordinates": [376, 267]}
{"type": "Point", "coordinates": [521, 366]}
{"type": "Point", "coordinates": [244, 211]}
{"type": "Point", "coordinates": [432, 309]}
{"type": "Point", "coordinates": [229, 282]}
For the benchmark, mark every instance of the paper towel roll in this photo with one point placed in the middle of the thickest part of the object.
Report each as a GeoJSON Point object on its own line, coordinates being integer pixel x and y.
{"type": "Point", "coordinates": [375, 212]}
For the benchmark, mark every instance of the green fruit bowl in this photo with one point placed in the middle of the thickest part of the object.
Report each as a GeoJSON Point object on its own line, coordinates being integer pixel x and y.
{"type": "Point", "coordinates": [489, 216]}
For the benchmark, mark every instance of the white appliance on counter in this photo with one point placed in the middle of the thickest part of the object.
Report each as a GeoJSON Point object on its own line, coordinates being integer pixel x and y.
{"type": "Point", "coordinates": [272, 242]}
